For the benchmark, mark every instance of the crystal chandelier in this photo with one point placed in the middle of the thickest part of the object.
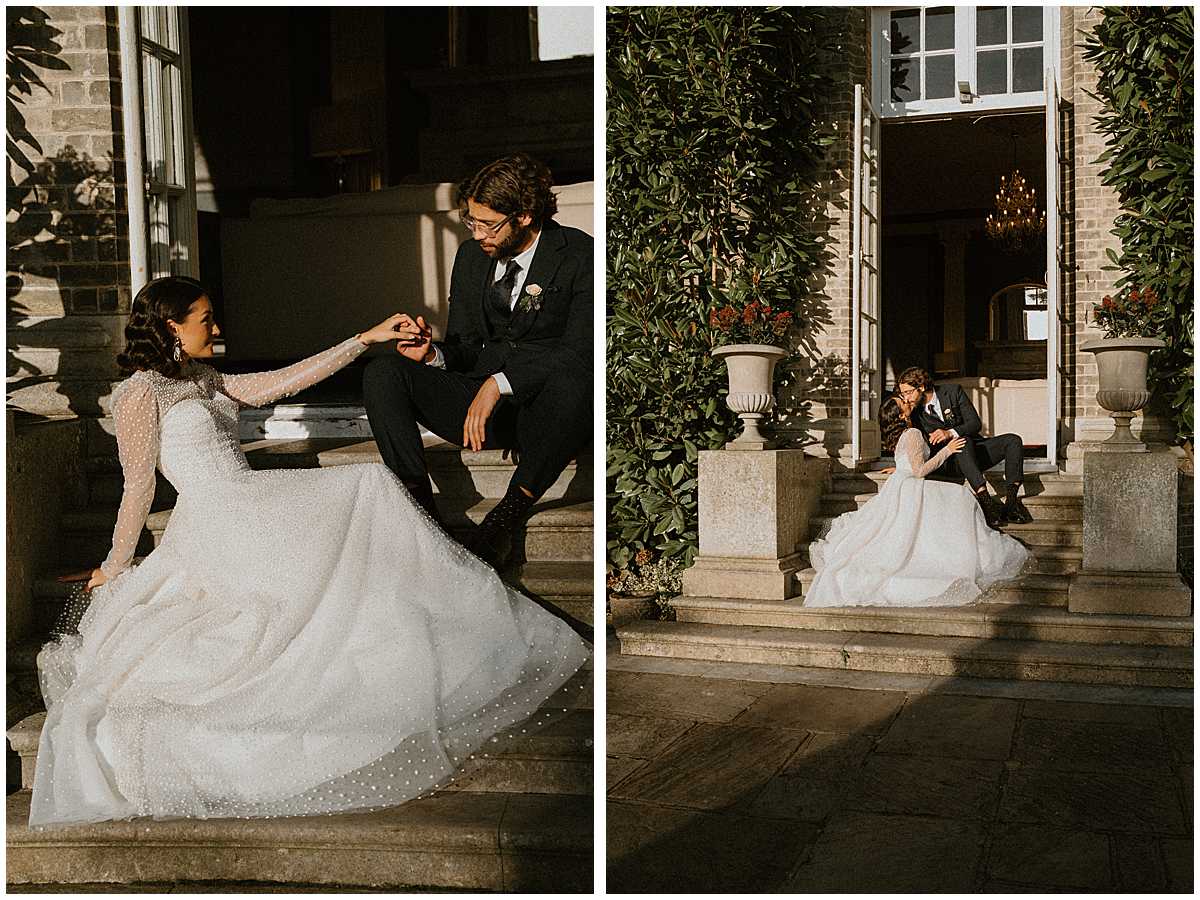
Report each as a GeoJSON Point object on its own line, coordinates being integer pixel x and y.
{"type": "Point", "coordinates": [1016, 222]}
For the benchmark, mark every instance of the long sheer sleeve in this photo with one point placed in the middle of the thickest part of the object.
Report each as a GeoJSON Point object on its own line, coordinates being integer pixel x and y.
{"type": "Point", "coordinates": [136, 416]}
{"type": "Point", "coordinates": [912, 445]}
{"type": "Point", "coordinates": [258, 388]}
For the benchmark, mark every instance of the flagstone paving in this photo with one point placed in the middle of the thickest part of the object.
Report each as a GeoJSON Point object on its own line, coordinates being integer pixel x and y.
{"type": "Point", "coordinates": [732, 777]}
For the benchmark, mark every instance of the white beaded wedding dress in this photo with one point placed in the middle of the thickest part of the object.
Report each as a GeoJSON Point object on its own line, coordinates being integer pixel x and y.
{"type": "Point", "coordinates": [916, 543]}
{"type": "Point", "coordinates": [300, 642]}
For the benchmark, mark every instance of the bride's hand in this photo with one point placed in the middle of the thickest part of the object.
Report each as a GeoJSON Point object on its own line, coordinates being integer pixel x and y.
{"type": "Point", "coordinates": [389, 329]}
{"type": "Point", "coordinates": [957, 444]}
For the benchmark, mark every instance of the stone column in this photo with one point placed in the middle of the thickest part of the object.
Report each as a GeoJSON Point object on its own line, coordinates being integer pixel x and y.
{"type": "Point", "coordinates": [1130, 508]}
{"type": "Point", "coordinates": [953, 236]}
{"type": "Point", "coordinates": [754, 512]}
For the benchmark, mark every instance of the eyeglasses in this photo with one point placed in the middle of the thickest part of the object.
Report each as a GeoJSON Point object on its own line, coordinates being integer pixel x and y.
{"type": "Point", "coordinates": [909, 391]}
{"type": "Point", "coordinates": [472, 225]}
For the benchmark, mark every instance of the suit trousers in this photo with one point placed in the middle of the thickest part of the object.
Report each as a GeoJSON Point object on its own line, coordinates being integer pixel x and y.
{"type": "Point", "coordinates": [980, 454]}
{"type": "Point", "coordinates": [548, 430]}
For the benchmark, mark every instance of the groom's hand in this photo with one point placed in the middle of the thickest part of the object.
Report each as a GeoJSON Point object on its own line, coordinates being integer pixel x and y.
{"type": "Point", "coordinates": [415, 338]}
{"type": "Point", "coordinates": [478, 413]}
{"type": "Point", "coordinates": [940, 436]}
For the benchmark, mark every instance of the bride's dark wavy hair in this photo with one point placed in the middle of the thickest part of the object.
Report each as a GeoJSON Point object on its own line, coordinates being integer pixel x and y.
{"type": "Point", "coordinates": [891, 424]}
{"type": "Point", "coordinates": [149, 343]}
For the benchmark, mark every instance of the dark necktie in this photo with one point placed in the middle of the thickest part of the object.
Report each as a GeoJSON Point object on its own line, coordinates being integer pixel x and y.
{"type": "Point", "coordinates": [501, 291]}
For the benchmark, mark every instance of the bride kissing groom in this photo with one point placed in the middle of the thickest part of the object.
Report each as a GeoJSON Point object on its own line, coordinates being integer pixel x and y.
{"type": "Point", "coordinates": [923, 541]}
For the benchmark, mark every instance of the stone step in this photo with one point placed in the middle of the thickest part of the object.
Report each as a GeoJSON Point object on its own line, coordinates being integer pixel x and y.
{"type": "Point", "coordinates": [568, 585]}
{"type": "Point", "coordinates": [454, 471]}
{"type": "Point", "coordinates": [1034, 589]}
{"type": "Point", "coordinates": [1043, 507]}
{"type": "Point", "coordinates": [919, 654]}
{"type": "Point", "coordinates": [450, 841]}
{"type": "Point", "coordinates": [557, 530]}
{"type": "Point", "coordinates": [1036, 483]}
{"type": "Point", "coordinates": [553, 756]}
{"type": "Point", "coordinates": [986, 621]}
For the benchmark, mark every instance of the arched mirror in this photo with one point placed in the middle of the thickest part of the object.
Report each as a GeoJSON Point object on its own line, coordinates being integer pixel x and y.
{"type": "Point", "coordinates": [1018, 313]}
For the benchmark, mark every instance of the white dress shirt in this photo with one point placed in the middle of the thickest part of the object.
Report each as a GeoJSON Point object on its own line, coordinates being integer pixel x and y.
{"type": "Point", "coordinates": [524, 259]}
{"type": "Point", "coordinates": [934, 407]}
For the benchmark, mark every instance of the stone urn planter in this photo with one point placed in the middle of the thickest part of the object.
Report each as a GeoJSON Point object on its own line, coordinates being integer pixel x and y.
{"type": "Point", "coordinates": [751, 377]}
{"type": "Point", "coordinates": [1122, 364]}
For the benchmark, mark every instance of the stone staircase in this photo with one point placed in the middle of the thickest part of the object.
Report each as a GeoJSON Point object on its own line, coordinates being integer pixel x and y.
{"type": "Point", "coordinates": [519, 818]}
{"type": "Point", "coordinates": [1024, 631]}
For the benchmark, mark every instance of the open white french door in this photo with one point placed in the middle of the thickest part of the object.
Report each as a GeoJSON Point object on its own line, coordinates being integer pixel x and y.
{"type": "Point", "coordinates": [1055, 318]}
{"type": "Point", "coordinates": [865, 352]}
{"type": "Point", "coordinates": [169, 160]}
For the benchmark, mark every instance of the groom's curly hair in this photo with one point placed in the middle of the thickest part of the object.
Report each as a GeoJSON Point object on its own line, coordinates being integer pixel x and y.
{"type": "Point", "coordinates": [149, 341]}
{"type": "Point", "coordinates": [917, 377]}
{"type": "Point", "coordinates": [514, 184]}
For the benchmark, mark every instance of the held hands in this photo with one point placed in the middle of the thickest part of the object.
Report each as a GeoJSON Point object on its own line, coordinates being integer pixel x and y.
{"type": "Point", "coordinates": [940, 436]}
{"type": "Point", "coordinates": [478, 413]}
{"type": "Point", "coordinates": [956, 445]}
{"type": "Point", "coordinates": [416, 338]}
{"type": "Point", "coordinates": [412, 336]}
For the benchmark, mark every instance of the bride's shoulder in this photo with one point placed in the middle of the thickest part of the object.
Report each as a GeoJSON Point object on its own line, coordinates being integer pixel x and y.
{"type": "Point", "coordinates": [912, 434]}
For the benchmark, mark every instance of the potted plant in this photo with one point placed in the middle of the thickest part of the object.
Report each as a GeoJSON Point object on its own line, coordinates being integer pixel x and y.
{"type": "Point", "coordinates": [751, 362]}
{"type": "Point", "coordinates": [1122, 358]}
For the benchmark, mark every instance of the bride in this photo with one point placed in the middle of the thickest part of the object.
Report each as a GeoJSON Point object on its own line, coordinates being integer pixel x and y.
{"type": "Point", "coordinates": [918, 542]}
{"type": "Point", "coordinates": [301, 642]}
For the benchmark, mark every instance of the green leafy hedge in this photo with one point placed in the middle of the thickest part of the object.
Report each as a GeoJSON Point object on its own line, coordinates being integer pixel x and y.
{"type": "Point", "coordinates": [1144, 55]}
{"type": "Point", "coordinates": [712, 149]}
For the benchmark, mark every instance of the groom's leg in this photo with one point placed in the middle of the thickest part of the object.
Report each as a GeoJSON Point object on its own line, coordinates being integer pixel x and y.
{"type": "Point", "coordinates": [400, 395]}
{"type": "Point", "coordinates": [551, 428]}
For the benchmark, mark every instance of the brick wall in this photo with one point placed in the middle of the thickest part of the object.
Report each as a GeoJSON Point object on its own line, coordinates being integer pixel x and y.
{"type": "Point", "coordinates": [1094, 208]}
{"type": "Point", "coordinates": [68, 268]}
{"type": "Point", "coordinates": [814, 400]}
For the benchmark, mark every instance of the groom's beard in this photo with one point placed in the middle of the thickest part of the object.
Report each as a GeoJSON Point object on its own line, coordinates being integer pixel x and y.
{"type": "Point", "coordinates": [507, 248]}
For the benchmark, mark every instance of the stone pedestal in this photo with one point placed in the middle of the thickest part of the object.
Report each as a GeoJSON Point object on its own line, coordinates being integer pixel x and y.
{"type": "Point", "coordinates": [1130, 508]}
{"type": "Point", "coordinates": [754, 511]}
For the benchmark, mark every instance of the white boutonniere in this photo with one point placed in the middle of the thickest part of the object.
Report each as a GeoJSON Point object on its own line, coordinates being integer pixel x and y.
{"type": "Point", "coordinates": [530, 299]}
{"type": "Point", "coordinates": [948, 415]}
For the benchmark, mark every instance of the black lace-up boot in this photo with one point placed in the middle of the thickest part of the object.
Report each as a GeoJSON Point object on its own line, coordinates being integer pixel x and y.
{"type": "Point", "coordinates": [1014, 510]}
{"type": "Point", "coordinates": [993, 513]}
{"type": "Point", "coordinates": [492, 542]}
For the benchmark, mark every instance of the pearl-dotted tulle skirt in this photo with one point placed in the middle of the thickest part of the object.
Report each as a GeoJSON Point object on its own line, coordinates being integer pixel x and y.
{"type": "Point", "coordinates": [301, 642]}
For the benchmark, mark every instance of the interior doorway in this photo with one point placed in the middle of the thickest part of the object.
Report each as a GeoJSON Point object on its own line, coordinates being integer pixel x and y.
{"type": "Point", "coordinates": [954, 301]}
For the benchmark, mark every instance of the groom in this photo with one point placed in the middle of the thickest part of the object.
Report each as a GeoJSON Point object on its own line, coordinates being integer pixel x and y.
{"type": "Point", "coordinates": [943, 413]}
{"type": "Point", "coordinates": [514, 369]}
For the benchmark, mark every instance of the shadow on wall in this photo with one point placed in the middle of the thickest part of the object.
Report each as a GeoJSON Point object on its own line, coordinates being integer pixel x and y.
{"type": "Point", "coordinates": [64, 243]}
{"type": "Point", "coordinates": [808, 375]}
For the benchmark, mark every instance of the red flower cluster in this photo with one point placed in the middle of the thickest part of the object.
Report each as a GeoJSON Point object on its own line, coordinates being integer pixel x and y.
{"type": "Point", "coordinates": [755, 324]}
{"type": "Point", "coordinates": [1127, 314]}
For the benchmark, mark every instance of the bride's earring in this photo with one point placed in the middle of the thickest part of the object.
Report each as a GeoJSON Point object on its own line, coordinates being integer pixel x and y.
{"type": "Point", "coordinates": [177, 352]}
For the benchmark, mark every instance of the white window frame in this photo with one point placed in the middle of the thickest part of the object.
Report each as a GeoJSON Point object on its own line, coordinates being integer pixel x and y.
{"type": "Point", "coordinates": [965, 65]}
{"type": "Point", "coordinates": [166, 90]}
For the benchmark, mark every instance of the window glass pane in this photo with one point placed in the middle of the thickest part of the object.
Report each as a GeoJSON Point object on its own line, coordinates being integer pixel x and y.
{"type": "Point", "coordinates": [939, 28]}
{"type": "Point", "coordinates": [991, 25]}
{"type": "Point", "coordinates": [993, 72]}
{"type": "Point", "coordinates": [939, 77]}
{"type": "Point", "coordinates": [906, 31]}
{"type": "Point", "coordinates": [905, 75]}
{"type": "Point", "coordinates": [171, 27]}
{"type": "Point", "coordinates": [1035, 325]}
{"type": "Point", "coordinates": [151, 106]}
{"type": "Point", "coordinates": [1027, 69]}
{"type": "Point", "coordinates": [149, 23]}
{"type": "Point", "coordinates": [173, 87]}
{"type": "Point", "coordinates": [1026, 23]}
